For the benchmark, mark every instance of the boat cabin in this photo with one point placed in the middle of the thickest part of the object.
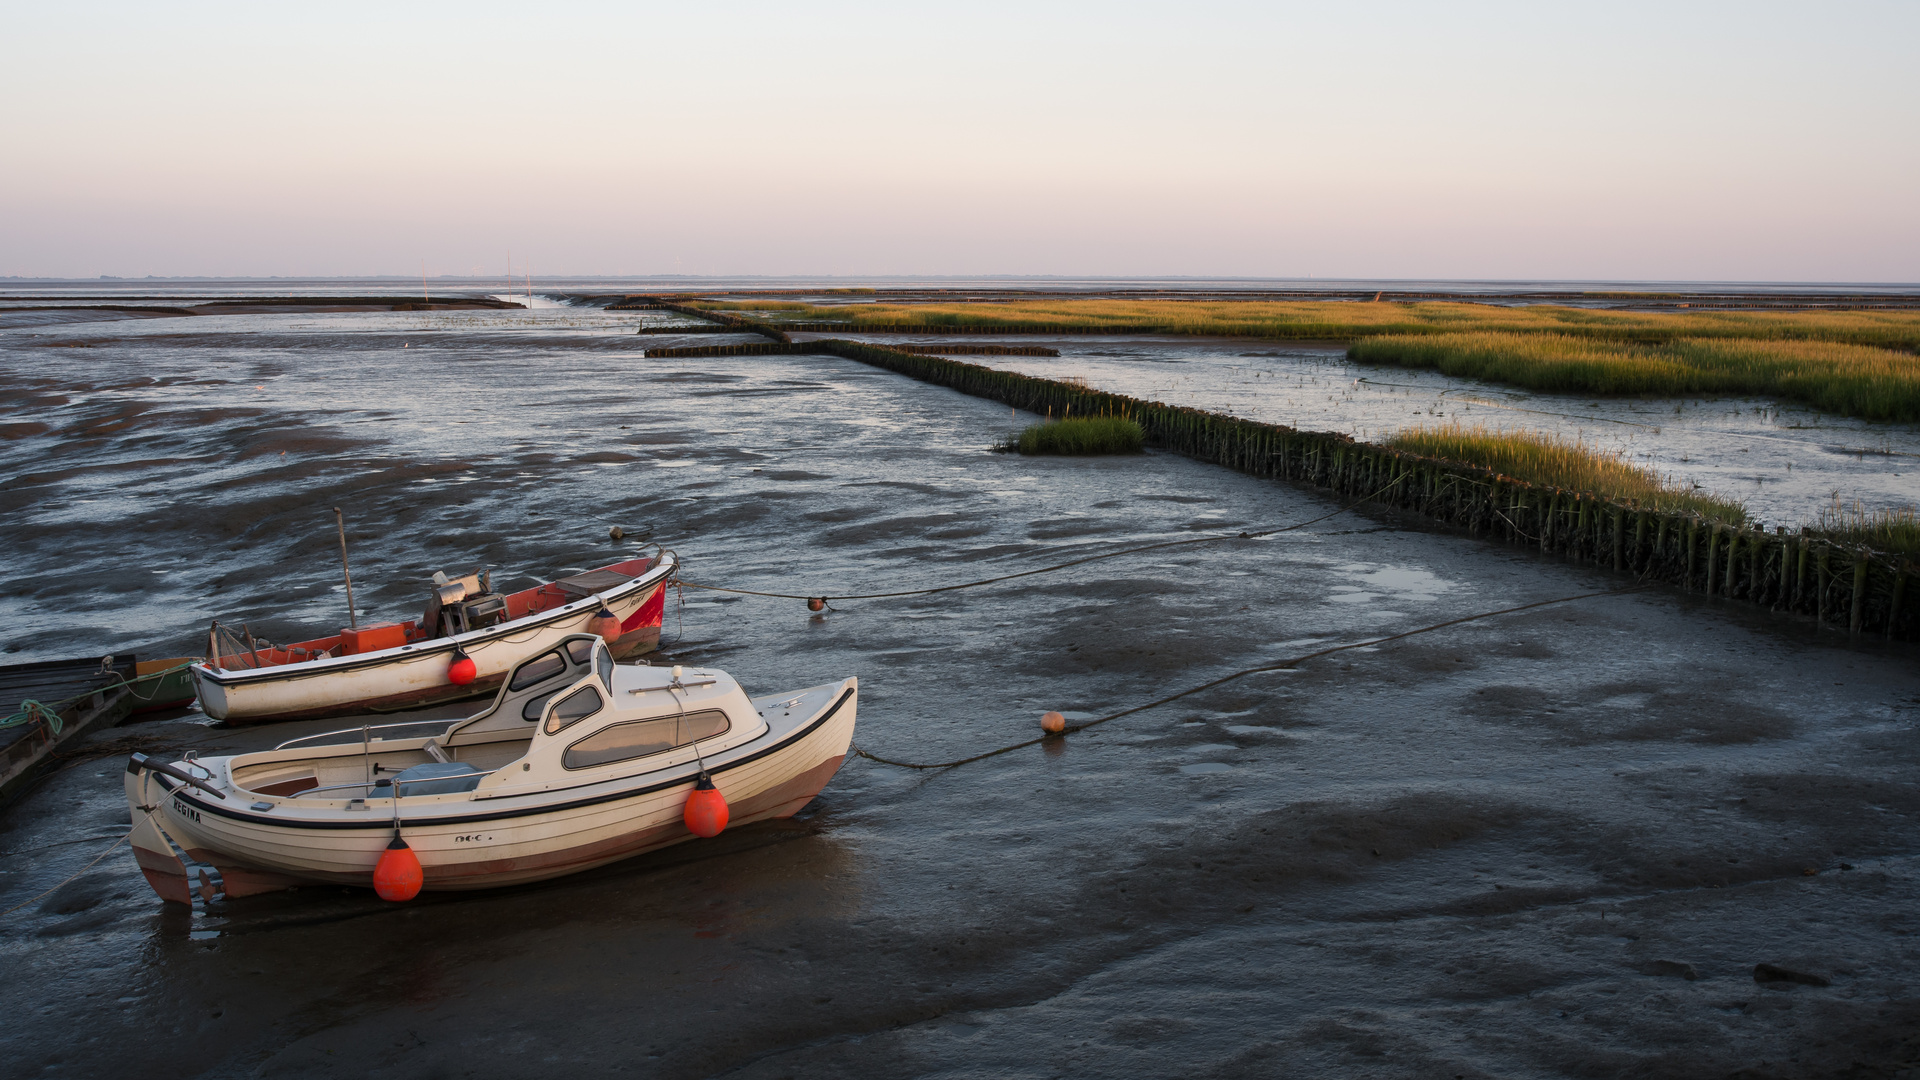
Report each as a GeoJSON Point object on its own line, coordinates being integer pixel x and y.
{"type": "Point", "coordinates": [563, 718]}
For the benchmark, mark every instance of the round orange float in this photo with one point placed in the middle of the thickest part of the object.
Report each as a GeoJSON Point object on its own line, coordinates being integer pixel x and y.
{"type": "Point", "coordinates": [397, 876]}
{"type": "Point", "coordinates": [462, 670]}
{"type": "Point", "coordinates": [706, 812]}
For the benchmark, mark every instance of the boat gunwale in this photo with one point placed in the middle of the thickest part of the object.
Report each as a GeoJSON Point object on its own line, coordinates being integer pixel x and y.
{"type": "Point", "coordinates": [333, 665]}
{"type": "Point", "coordinates": [388, 824]}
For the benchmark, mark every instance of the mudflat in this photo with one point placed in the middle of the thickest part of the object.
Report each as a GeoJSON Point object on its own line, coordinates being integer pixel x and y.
{"type": "Point", "coordinates": [1558, 843]}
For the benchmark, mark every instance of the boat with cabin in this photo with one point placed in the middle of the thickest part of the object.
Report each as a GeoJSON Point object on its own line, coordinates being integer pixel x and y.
{"type": "Point", "coordinates": [578, 762]}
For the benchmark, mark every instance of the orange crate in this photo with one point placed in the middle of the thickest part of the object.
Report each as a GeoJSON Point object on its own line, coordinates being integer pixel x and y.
{"type": "Point", "coordinates": [372, 638]}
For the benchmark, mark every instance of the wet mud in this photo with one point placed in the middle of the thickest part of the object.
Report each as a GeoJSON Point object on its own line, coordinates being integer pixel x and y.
{"type": "Point", "coordinates": [1551, 844]}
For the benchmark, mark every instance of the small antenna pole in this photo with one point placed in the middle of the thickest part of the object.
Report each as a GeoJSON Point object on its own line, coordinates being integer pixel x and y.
{"type": "Point", "coordinates": [423, 282]}
{"type": "Point", "coordinates": [340, 520]}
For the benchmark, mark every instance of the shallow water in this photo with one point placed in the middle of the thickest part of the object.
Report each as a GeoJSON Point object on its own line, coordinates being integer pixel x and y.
{"type": "Point", "coordinates": [1786, 463]}
{"type": "Point", "coordinates": [1467, 853]}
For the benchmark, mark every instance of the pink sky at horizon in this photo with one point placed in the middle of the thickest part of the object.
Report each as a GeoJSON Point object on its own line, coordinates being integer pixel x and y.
{"type": "Point", "coordinates": [1389, 140]}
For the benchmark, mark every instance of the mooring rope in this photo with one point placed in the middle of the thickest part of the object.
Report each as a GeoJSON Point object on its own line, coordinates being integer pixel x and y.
{"type": "Point", "coordinates": [1061, 566]}
{"type": "Point", "coordinates": [90, 865]}
{"type": "Point", "coordinates": [30, 709]}
{"type": "Point", "coordinates": [1279, 665]}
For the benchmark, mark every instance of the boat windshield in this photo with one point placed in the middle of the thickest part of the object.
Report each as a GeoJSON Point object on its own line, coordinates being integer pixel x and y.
{"type": "Point", "coordinates": [538, 670]}
{"type": "Point", "coordinates": [603, 663]}
{"type": "Point", "coordinates": [640, 738]}
{"type": "Point", "coordinates": [574, 708]}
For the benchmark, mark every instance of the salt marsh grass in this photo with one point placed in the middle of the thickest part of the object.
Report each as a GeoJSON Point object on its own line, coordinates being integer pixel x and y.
{"type": "Point", "coordinates": [1853, 380]}
{"type": "Point", "coordinates": [1540, 458]}
{"type": "Point", "coordinates": [1896, 531]}
{"type": "Point", "coordinates": [1338, 320]}
{"type": "Point", "coordinates": [1086, 436]}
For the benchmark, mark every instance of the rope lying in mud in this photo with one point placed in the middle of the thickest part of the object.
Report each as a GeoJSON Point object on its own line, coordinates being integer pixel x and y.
{"type": "Point", "coordinates": [90, 865]}
{"type": "Point", "coordinates": [1279, 665]}
{"type": "Point", "coordinates": [1061, 566]}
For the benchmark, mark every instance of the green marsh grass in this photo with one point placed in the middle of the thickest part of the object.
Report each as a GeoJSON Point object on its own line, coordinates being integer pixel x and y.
{"type": "Point", "coordinates": [1083, 437]}
{"type": "Point", "coordinates": [1541, 458]}
{"type": "Point", "coordinates": [1346, 320]}
{"type": "Point", "coordinates": [1852, 380]}
{"type": "Point", "coordinates": [1894, 531]}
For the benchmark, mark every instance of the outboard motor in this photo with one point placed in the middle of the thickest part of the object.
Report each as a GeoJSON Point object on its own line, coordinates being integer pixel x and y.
{"type": "Point", "coordinates": [463, 604]}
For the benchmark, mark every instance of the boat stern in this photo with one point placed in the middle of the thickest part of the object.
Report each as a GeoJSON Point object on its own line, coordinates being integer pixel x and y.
{"type": "Point", "coordinates": [212, 694]}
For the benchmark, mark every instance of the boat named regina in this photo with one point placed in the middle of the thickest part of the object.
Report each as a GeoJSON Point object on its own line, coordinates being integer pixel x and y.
{"type": "Point", "coordinates": [578, 762]}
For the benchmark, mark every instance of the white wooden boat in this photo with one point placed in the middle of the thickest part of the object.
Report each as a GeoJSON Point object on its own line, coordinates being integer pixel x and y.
{"type": "Point", "coordinates": [392, 666]}
{"type": "Point", "coordinates": [577, 763]}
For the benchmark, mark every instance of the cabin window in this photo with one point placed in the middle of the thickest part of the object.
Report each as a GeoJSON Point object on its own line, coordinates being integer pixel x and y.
{"type": "Point", "coordinates": [534, 671]}
{"type": "Point", "coordinates": [639, 738]}
{"type": "Point", "coordinates": [573, 708]}
{"type": "Point", "coordinates": [535, 706]}
{"type": "Point", "coordinates": [605, 666]}
{"type": "Point", "coordinates": [581, 651]}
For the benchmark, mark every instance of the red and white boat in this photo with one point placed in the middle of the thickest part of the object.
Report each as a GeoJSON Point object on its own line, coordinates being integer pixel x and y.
{"type": "Point", "coordinates": [577, 763]}
{"type": "Point", "coordinates": [464, 645]}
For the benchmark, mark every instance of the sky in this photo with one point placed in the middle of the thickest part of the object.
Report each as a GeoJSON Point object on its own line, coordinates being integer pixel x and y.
{"type": "Point", "coordinates": [1488, 141]}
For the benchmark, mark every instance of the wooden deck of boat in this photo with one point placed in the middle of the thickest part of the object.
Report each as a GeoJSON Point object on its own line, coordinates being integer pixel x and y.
{"type": "Point", "coordinates": [87, 693]}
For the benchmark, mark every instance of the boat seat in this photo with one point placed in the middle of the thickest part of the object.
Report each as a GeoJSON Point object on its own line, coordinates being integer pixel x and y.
{"type": "Point", "coordinates": [437, 778]}
{"type": "Point", "coordinates": [581, 586]}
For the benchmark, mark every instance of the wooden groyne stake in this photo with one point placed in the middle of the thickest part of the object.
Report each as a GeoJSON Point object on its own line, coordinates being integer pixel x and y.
{"type": "Point", "coordinates": [1893, 607]}
{"type": "Point", "coordinates": [1859, 594]}
{"type": "Point", "coordinates": [1660, 545]}
{"type": "Point", "coordinates": [1820, 582]}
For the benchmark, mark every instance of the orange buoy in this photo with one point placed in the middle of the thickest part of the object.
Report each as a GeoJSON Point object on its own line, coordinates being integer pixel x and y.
{"type": "Point", "coordinates": [1053, 723]}
{"type": "Point", "coordinates": [605, 623]}
{"type": "Point", "coordinates": [462, 670]}
{"type": "Point", "coordinates": [706, 812]}
{"type": "Point", "coordinates": [397, 876]}
{"type": "Point", "coordinates": [816, 603]}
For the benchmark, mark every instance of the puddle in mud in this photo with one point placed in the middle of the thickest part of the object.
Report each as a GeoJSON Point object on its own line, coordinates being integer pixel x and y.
{"type": "Point", "coordinates": [1463, 851]}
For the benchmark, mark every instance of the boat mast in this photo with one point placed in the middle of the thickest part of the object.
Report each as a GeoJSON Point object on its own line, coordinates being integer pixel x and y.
{"type": "Point", "coordinates": [341, 521]}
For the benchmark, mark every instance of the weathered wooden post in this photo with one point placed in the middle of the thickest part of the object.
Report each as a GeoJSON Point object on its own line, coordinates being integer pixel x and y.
{"type": "Point", "coordinates": [1693, 531]}
{"type": "Point", "coordinates": [1713, 551]}
{"type": "Point", "coordinates": [1820, 583]}
{"type": "Point", "coordinates": [1899, 591]}
{"type": "Point", "coordinates": [1780, 598]}
{"type": "Point", "coordinates": [1858, 615]}
{"type": "Point", "coordinates": [1801, 551]}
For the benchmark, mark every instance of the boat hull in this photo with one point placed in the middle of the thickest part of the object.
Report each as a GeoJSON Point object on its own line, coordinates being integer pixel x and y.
{"type": "Point", "coordinates": [162, 684]}
{"type": "Point", "coordinates": [413, 676]}
{"type": "Point", "coordinates": [466, 844]}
